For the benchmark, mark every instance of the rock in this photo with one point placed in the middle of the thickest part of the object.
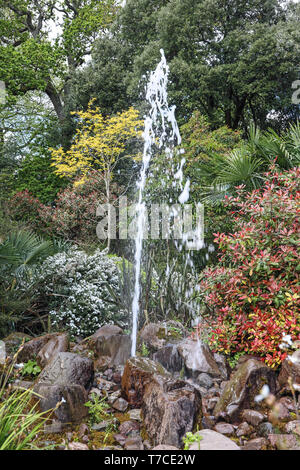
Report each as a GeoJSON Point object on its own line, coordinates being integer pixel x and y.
{"type": "Point", "coordinates": [106, 330]}
{"type": "Point", "coordinates": [77, 446]}
{"type": "Point", "coordinates": [290, 368]}
{"type": "Point", "coordinates": [212, 440]}
{"type": "Point", "coordinates": [244, 429]}
{"type": "Point", "coordinates": [22, 384]}
{"type": "Point", "coordinates": [83, 430]}
{"type": "Point", "coordinates": [222, 365]}
{"type": "Point", "coordinates": [224, 428]}
{"type": "Point", "coordinates": [101, 426]}
{"type": "Point", "coordinates": [112, 349]}
{"type": "Point", "coordinates": [138, 372]}
{"type": "Point", "coordinates": [32, 348]}
{"type": "Point", "coordinates": [135, 414]}
{"type": "Point", "coordinates": [165, 447]}
{"type": "Point", "coordinates": [2, 352]}
{"type": "Point", "coordinates": [264, 429]}
{"type": "Point", "coordinates": [256, 444]}
{"type": "Point", "coordinates": [14, 341]}
{"type": "Point", "coordinates": [204, 380]}
{"type": "Point", "coordinates": [169, 358]}
{"type": "Point", "coordinates": [278, 413]}
{"type": "Point", "coordinates": [198, 358]}
{"type": "Point", "coordinates": [56, 344]}
{"type": "Point", "coordinates": [127, 427]}
{"type": "Point", "coordinates": [105, 384]}
{"type": "Point", "coordinates": [211, 403]}
{"type": "Point", "coordinates": [135, 443]}
{"type": "Point", "coordinates": [68, 369]}
{"type": "Point", "coordinates": [72, 398]}
{"type": "Point", "coordinates": [253, 417]}
{"type": "Point", "coordinates": [113, 397]}
{"type": "Point", "coordinates": [293, 427]}
{"type": "Point", "coordinates": [120, 439]}
{"type": "Point", "coordinates": [245, 384]}
{"type": "Point", "coordinates": [284, 441]}
{"type": "Point", "coordinates": [170, 409]}
{"type": "Point", "coordinates": [288, 403]}
{"type": "Point", "coordinates": [120, 405]}
{"type": "Point", "coordinates": [157, 335]}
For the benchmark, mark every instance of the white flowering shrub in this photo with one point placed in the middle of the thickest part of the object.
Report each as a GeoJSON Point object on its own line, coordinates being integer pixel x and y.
{"type": "Point", "coordinates": [77, 290]}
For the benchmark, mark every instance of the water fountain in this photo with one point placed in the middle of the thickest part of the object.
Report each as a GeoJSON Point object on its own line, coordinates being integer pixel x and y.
{"type": "Point", "coordinates": [161, 130]}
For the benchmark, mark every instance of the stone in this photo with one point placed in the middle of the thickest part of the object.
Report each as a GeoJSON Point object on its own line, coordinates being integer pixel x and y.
{"type": "Point", "coordinates": [264, 429]}
{"type": "Point", "coordinates": [284, 441]}
{"type": "Point", "coordinates": [288, 403]}
{"type": "Point", "coordinates": [101, 426]}
{"type": "Point", "coordinates": [138, 372]}
{"type": "Point", "coordinates": [14, 341]}
{"type": "Point", "coordinates": [204, 380]}
{"type": "Point", "coordinates": [198, 358]}
{"type": "Point", "coordinates": [77, 446]}
{"type": "Point", "coordinates": [278, 413]}
{"type": "Point", "coordinates": [169, 358]}
{"type": "Point", "coordinates": [56, 344]}
{"type": "Point", "coordinates": [135, 414]}
{"type": "Point", "coordinates": [258, 443]}
{"type": "Point", "coordinates": [113, 397]}
{"type": "Point", "coordinates": [222, 365]}
{"type": "Point", "coordinates": [224, 428]}
{"type": "Point", "coordinates": [170, 409]}
{"type": "Point", "coordinates": [120, 439]}
{"type": "Point", "coordinates": [211, 403]}
{"type": "Point", "coordinates": [164, 447]}
{"type": "Point", "coordinates": [113, 349]}
{"type": "Point", "coordinates": [245, 384]}
{"type": "Point", "coordinates": [290, 368]}
{"type": "Point", "coordinates": [83, 430]}
{"type": "Point", "coordinates": [153, 335]}
{"type": "Point", "coordinates": [120, 405]}
{"type": "Point", "coordinates": [127, 427]}
{"type": "Point", "coordinates": [68, 369]}
{"type": "Point", "coordinates": [212, 440]}
{"type": "Point", "coordinates": [106, 330]}
{"type": "Point", "coordinates": [71, 398]}
{"type": "Point", "coordinates": [158, 335]}
{"type": "Point", "coordinates": [22, 384]}
{"type": "Point", "coordinates": [244, 429]}
{"type": "Point", "coordinates": [135, 443]}
{"type": "Point", "coordinates": [293, 427]}
{"type": "Point", "coordinates": [105, 384]}
{"type": "Point", "coordinates": [253, 417]}
{"type": "Point", "coordinates": [32, 348]}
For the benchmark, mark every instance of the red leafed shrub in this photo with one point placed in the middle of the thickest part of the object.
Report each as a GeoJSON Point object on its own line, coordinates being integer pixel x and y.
{"type": "Point", "coordinates": [73, 216]}
{"type": "Point", "coordinates": [253, 293]}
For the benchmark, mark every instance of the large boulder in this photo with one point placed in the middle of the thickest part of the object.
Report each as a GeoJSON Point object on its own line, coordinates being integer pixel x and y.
{"type": "Point", "coordinates": [212, 440]}
{"type": "Point", "coordinates": [57, 344]}
{"type": "Point", "coordinates": [198, 358]}
{"type": "Point", "coordinates": [170, 409]}
{"type": "Point", "coordinates": [138, 372]}
{"type": "Point", "coordinates": [290, 368]}
{"type": "Point", "coordinates": [111, 346]}
{"type": "Point", "coordinates": [169, 358]}
{"type": "Point", "coordinates": [67, 401]}
{"type": "Point", "coordinates": [44, 348]}
{"type": "Point", "coordinates": [68, 369]}
{"type": "Point", "coordinates": [239, 393]}
{"type": "Point", "coordinates": [157, 335]}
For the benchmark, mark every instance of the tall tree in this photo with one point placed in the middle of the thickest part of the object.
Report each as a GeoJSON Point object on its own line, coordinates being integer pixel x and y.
{"type": "Point", "coordinates": [43, 43]}
{"type": "Point", "coordinates": [233, 60]}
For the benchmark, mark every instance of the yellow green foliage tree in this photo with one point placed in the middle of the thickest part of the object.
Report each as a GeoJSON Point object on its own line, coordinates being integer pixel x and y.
{"type": "Point", "coordinates": [99, 143]}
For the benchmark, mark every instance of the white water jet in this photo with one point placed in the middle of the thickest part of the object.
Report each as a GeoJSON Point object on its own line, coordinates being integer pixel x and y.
{"type": "Point", "coordinates": [160, 128]}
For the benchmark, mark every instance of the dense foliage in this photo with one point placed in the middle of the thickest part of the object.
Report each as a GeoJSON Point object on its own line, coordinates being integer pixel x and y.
{"type": "Point", "coordinates": [253, 293]}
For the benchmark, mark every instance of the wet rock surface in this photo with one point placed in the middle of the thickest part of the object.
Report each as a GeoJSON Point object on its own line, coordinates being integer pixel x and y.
{"type": "Point", "coordinates": [170, 409]}
{"type": "Point", "coordinates": [240, 392]}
